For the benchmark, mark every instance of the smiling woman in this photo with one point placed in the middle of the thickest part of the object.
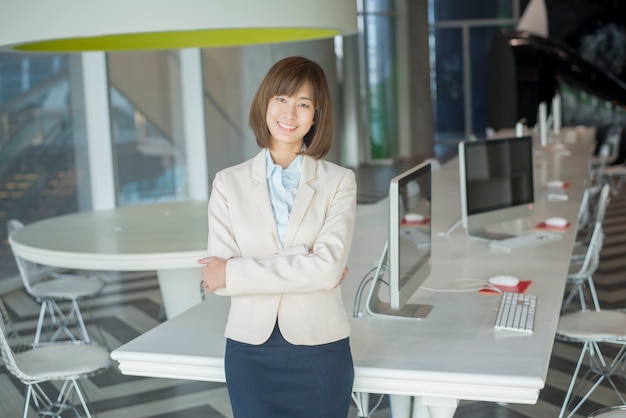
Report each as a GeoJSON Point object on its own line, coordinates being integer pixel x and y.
{"type": "Point", "coordinates": [280, 231]}
{"type": "Point", "coordinates": [286, 80]}
{"type": "Point", "coordinates": [289, 119]}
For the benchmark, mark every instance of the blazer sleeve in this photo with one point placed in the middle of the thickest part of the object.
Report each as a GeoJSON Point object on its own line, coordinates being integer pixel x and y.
{"type": "Point", "coordinates": [300, 268]}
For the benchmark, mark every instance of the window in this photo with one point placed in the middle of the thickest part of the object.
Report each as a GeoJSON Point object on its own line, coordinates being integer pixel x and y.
{"type": "Point", "coordinates": [461, 34]}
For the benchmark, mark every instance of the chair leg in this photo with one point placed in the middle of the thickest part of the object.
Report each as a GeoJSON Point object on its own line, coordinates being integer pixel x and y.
{"type": "Point", "coordinates": [581, 297]}
{"type": "Point", "coordinates": [616, 183]}
{"type": "Point", "coordinates": [29, 391]}
{"type": "Point", "coordinates": [594, 295]}
{"type": "Point", "coordinates": [42, 404]}
{"type": "Point", "coordinates": [570, 389]}
{"type": "Point", "coordinates": [62, 321]}
{"type": "Point", "coordinates": [599, 367]}
{"type": "Point", "coordinates": [81, 322]}
{"type": "Point", "coordinates": [40, 321]}
{"type": "Point", "coordinates": [576, 290]}
{"type": "Point", "coordinates": [64, 399]}
{"type": "Point", "coordinates": [567, 302]}
{"type": "Point", "coordinates": [82, 397]}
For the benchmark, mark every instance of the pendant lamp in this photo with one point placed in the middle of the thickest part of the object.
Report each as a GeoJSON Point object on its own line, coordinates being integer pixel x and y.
{"type": "Point", "coordinates": [63, 26]}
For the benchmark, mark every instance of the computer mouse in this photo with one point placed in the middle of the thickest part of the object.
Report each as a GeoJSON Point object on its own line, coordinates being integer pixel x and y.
{"type": "Point", "coordinates": [556, 222]}
{"type": "Point", "coordinates": [504, 280]}
{"type": "Point", "coordinates": [413, 217]}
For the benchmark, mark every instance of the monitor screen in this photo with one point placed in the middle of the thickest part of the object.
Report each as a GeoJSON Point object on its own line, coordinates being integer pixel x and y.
{"type": "Point", "coordinates": [496, 179]}
{"type": "Point", "coordinates": [409, 233]}
{"type": "Point", "coordinates": [408, 249]}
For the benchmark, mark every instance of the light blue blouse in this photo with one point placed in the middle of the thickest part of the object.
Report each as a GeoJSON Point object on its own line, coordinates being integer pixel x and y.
{"type": "Point", "coordinates": [282, 185]}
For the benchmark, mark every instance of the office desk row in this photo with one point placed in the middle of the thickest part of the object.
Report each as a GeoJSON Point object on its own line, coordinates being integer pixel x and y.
{"type": "Point", "coordinates": [451, 355]}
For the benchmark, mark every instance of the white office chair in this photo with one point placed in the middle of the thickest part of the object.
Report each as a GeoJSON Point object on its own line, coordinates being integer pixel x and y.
{"type": "Point", "coordinates": [584, 214]}
{"type": "Point", "coordinates": [49, 286]}
{"type": "Point", "coordinates": [593, 328]}
{"type": "Point", "coordinates": [609, 150]}
{"type": "Point", "coordinates": [616, 177]}
{"type": "Point", "coordinates": [592, 210]}
{"type": "Point", "coordinates": [595, 170]}
{"type": "Point", "coordinates": [67, 362]}
{"type": "Point", "coordinates": [580, 276]}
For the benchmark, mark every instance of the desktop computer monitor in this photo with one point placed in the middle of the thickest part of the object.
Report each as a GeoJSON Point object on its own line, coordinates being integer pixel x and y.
{"type": "Point", "coordinates": [406, 256]}
{"type": "Point", "coordinates": [496, 179]}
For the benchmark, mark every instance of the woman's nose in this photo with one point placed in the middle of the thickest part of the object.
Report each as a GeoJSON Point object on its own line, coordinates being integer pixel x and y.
{"type": "Point", "coordinates": [290, 109]}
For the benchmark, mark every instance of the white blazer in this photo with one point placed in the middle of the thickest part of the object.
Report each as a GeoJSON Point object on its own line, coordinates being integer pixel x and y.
{"type": "Point", "coordinates": [295, 284]}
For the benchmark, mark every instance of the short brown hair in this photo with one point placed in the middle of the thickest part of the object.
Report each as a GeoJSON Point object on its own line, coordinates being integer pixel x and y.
{"type": "Point", "coordinates": [287, 77]}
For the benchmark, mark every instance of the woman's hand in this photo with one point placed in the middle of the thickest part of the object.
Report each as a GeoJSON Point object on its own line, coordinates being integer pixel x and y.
{"type": "Point", "coordinates": [213, 273]}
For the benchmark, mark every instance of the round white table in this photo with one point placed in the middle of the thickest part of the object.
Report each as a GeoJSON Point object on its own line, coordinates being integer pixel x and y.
{"type": "Point", "coordinates": [166, 237]}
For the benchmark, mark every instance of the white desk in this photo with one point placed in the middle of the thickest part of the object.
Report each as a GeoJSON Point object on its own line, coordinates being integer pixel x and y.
{"type": "Point", "coordinates": [451, 355]}
{"type": "Point", "coordinates": [166, 237]}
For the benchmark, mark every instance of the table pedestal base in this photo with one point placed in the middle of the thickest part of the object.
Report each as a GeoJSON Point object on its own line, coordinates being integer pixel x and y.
{"type": "Point", "coordinates": [180, 289]}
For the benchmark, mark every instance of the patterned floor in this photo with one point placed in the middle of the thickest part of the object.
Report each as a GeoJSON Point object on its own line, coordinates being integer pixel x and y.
{"type": "Point", "coordinates": [130, 305]}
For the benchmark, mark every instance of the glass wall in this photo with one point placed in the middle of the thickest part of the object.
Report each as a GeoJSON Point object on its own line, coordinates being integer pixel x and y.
{"type": "Point", "coordinates": [461, 34]}
{"type": "Point", "coordinates": [43, 148]}
{"type": "Point", "coordinates": [143, 87]}
{"type": "Point", "coordinates": [38, 175]}
{"type": "Point", "coordinates": [448, 83]}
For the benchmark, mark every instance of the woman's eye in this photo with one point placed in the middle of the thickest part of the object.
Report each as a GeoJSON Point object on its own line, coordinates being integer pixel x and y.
{"type": "Point", "coordinates": [281, 99]}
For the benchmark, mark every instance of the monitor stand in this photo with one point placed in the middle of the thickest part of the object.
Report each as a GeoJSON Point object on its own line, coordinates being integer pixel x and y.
{"type": "Point", "coordinates": [377, 307]}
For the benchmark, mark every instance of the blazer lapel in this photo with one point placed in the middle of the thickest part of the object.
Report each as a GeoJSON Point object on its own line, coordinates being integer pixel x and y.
{"type": "Point", "coordinates": [304, 195]}
{"type": "Point", "coordinates": [261, 194]}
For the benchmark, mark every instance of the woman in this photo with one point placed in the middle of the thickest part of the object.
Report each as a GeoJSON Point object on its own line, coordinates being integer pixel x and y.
{"type": "Point", "coordinates": [280, 230]}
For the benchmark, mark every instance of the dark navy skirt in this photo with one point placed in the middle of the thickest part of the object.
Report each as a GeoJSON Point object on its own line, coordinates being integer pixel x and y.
{"type": "Point", "coordinates": [280, 380]}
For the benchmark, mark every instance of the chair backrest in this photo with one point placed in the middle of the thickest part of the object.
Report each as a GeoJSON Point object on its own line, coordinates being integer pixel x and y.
{"type": "Point", "coordinates": [592, 256]}
{"type": "Point", "coordinates": [11, 343]}
{"type": "Point", "coordinates": [595, 176]}
{"type": "Point", "coordinates": [30, 272]}
{"type": "Point", "coordinates": [583, 210]}
{"type": "Point", "coordinates": [602, 204]}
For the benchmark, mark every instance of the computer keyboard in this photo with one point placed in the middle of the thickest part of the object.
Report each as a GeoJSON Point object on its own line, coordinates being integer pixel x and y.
{"type": "Point", "coordinates": [516, 312]}
{"type": "Point", "coordinates": [525, 240]}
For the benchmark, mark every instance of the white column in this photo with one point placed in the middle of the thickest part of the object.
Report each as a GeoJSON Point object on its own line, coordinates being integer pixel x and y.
{"type": "Point", "coordinates": [98, 130]}
{"type": "Point", "coordinates": [192, 104]}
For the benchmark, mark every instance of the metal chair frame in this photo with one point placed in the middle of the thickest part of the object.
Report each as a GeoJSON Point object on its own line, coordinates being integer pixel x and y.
{"type": "Point", "coordinates": [616, 178]}
{"type": "Point", "coordinates": [599, 368]}
{"type": "Point", "coordinates": [583, 278]}
{"type": "Point", "coordinates": [84, 360]}
{"type": "Point", "coordinates": [609, 412]}
{"type": "Point", "coordinates": [592, 210]}
{"type": "Point", "coordinates": [50, 287]}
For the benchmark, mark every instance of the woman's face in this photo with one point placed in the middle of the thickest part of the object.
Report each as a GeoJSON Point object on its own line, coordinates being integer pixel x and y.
{"type": "Point", "coordinates": [289, 118]}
